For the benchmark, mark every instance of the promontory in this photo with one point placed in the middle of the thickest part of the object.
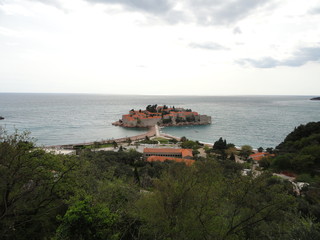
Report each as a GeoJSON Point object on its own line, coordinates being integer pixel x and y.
{"type": "Point", "coordinates": [162, 116]}
{"type": "Point", "coordinates": [315, 98]}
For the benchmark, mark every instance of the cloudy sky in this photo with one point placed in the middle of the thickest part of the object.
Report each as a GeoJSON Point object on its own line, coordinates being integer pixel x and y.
{"type": "Point", "coordinates": [189, 47]}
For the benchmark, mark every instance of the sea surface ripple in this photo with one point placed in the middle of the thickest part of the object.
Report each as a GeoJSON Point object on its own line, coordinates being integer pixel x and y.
{"type": "Point", "coordinates": [55, 119]}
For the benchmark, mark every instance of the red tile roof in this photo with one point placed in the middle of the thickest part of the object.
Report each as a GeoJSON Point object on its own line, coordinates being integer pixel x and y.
{"type": "Point", "coordinates": [184, 152]}
{"type": "Point", "coordinates": [259, 155]}
{"type": "Point", "coordinates": [188, 162]}
{"type": "Point", "coordinates": [156, 150]}
{"type": "Point", "coordinates": [128, 117]}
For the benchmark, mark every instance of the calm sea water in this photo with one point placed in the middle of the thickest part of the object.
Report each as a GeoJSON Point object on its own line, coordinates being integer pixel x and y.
{"type": "Point", "coordinates": [73, 118]}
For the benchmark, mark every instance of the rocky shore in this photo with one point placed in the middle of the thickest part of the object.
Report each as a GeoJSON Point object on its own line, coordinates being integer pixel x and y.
{"type": "Point", "coordinates": [183, 124]}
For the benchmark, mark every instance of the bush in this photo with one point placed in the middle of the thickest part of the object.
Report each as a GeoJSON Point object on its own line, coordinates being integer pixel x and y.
{"type": "Point", "coordinates": [304, 178]}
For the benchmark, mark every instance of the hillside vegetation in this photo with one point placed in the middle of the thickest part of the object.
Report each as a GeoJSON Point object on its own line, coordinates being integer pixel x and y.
{"type": "Point", "coordinates": [300, 150]}
{"type": "Point", "coordinates": [117, 195]}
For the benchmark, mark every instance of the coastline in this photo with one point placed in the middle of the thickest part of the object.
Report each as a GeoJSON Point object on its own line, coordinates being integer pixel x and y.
{"type": "Point", "coordinates": [233, 119]}
{"type": "Point", "coordinates": [152, 132]}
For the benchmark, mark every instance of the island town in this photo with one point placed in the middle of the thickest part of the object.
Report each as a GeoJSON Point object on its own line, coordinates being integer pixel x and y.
{"type": "Point", "coordinates": [152, 118]}
{"type": "Point", "coordinates": [162, 116]}
{"type": "Point", "coordinates": [154, 145]}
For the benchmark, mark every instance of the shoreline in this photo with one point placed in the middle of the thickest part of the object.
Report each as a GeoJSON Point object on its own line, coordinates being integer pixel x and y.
{"type": "Point", "coordinates": [152, 132]}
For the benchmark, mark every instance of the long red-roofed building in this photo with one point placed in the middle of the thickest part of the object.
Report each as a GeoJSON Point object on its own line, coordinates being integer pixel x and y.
{"type": "Point", "coordinates": [168, 152]}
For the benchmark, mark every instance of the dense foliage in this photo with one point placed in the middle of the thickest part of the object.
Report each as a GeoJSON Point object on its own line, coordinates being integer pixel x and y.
{"type": "Point", "coordinates": [300, 151]}
{"type": "Point", "coordinates": [202, 203]}
{"type": "Point", "coordinates": [117, 195]}
{"type": "Point", "coordinates": [299, 154]}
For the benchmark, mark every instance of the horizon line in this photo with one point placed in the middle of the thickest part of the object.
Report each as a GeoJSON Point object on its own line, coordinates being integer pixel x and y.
{"type": "Point", "coordinates": [183, 95]}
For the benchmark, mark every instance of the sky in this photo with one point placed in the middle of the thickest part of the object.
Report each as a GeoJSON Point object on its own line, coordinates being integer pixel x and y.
{"type": "Point", "coordinates": [160, 47]}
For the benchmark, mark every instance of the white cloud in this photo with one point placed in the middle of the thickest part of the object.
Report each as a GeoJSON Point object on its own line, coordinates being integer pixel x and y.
{"type": "Point", "coordinates": [7, 32]}
{"type": "Point", "coordinates": [207, 12]}
{"type": "Point", "coordinates": [185, 47]}
{"type": "Point", "coordinates": [299, 58]}
{"type": "Point", "coordinates": [208, 46]}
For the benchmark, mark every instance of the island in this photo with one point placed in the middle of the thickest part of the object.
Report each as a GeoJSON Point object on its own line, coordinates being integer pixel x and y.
{"type": "Point", "coordinates": [162, 116]}
{"type": "Point", "coordinates": [315, 98]}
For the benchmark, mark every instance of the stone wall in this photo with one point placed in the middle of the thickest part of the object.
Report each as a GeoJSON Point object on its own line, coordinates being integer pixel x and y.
{"type": "Point", "coordinates": [149, 122]}
{"type": "Point", "coordinates": [204, 119]}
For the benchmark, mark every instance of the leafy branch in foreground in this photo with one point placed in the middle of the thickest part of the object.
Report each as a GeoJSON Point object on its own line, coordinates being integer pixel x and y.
{"type": "Point", "coordinates": [33, 185]}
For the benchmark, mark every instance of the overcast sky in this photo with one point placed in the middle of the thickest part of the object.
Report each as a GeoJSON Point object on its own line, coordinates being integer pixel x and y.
{"type": "Point", "coordinates": [189, 47]}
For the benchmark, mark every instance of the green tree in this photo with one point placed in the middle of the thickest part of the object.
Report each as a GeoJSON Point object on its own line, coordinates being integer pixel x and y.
{"type": "Point", "coordinates": [173, 140]}
{"type": "Point", "coordinates": [195, 152]}
{"type": "Point", "coordinates": [283, 162]}
{"type": "Point", "coordinates": [220, 144]}
{"type": "Point", "coordinates": [232, 157]}
{"type": "Point", "coordinates": [231, 150]}
{"type": "Point", "coordinates": [300, 151]}
{"type": "Point", "coordinates": [166, 121]}
{"type": "Point", "coordinates": [33, 187]}
{"type": "Point", "coordinates": [85, 221]}
{"type": "Point", "coordinates": [223, 149]}
{"type": "Point", "coordinates": [190, 145]}
{"type": "Point", "coordinates": [199, 202]}
{"type": "Point", "coordinates": [269, 150]}
{"type": "Point", "coordinates": [183, 139]}
{"type": "Point", "coordinates": [300, 137]}
{"type": "Point", "coordinates": [265, 162]}
{"type": "Point", "coordinates": [245, 151]}
{"type": "Point", "coordinates": [304, 229]}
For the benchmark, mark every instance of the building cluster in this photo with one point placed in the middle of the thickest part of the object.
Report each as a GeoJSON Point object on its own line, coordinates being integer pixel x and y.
{"type": "Point", "coordinates": [163, 116]}
{"type": "Point", "coordinates": [169, 154]}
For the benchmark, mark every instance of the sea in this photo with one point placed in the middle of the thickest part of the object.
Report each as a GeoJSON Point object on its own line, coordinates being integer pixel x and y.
{"type": "Point", "coordinates": [55, 119]}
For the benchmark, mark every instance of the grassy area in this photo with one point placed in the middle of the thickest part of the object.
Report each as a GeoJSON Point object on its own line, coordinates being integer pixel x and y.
{"type": "Point", "coordinates": [148, 142]}
{"type": "Point", "coordinates": [161, 140]}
